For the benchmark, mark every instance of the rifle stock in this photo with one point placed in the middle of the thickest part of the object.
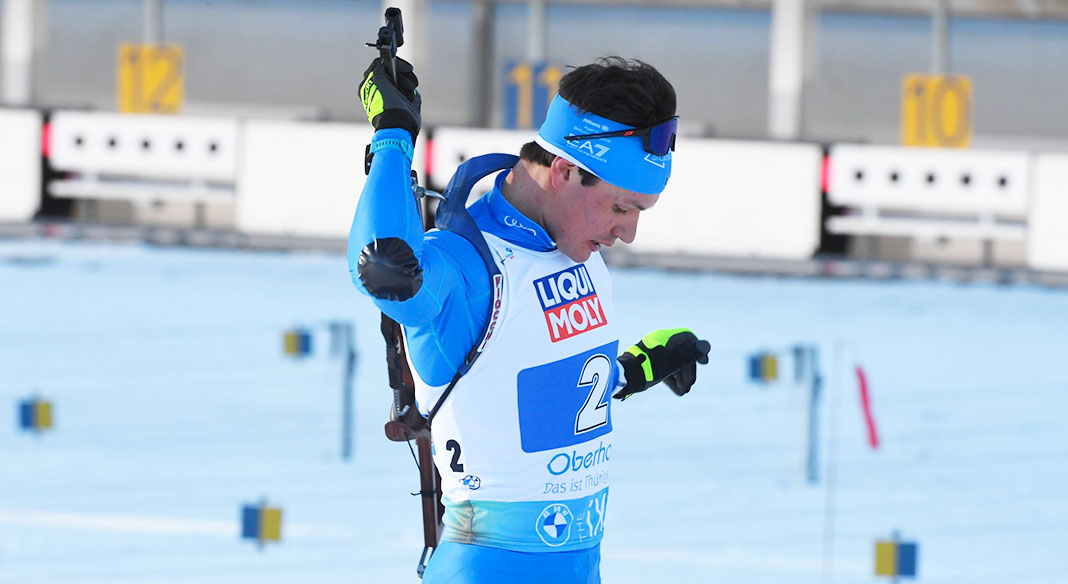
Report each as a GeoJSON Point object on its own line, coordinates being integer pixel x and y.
{"type": "Point", "coordinates": [405, 424]}
{"type": "Point", "coordinates": [429, 489]}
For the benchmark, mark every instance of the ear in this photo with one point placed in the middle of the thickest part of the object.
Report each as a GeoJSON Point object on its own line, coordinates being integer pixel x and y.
{"type": "Point", "coordinates": [561, 171]}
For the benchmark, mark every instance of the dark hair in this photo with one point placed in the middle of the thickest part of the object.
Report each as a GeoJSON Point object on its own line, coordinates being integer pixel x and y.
{"type": "Point", "coordinates": [630, 92]}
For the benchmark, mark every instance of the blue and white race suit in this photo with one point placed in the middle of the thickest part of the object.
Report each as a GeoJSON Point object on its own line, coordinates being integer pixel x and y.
{"type": "Point", "coordinates": [524, 440]}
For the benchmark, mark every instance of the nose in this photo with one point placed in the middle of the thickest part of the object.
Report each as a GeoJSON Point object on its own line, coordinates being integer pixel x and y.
{"type": "Point", "coordinates": [627, 229]}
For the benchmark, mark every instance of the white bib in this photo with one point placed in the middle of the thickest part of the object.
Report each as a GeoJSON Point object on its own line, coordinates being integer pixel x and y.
{"type": "Point", "coordinates": [524, 439]}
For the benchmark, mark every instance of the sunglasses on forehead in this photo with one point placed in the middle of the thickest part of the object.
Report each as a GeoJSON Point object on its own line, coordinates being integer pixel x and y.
{"type": "Point", "coordinates": [658, 139]}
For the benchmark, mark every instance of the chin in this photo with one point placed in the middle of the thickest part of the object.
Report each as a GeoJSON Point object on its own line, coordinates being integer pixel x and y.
{"type": "Point", "coordinates": [577, 255]}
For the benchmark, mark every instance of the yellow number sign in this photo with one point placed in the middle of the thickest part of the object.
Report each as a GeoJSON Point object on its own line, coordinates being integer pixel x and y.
{"type": "Point", "coordinates": [522, 76]}
{"type": "Point", "coordinates": [936, 110]}
{"type": "Point", "coordinates": [151, 78]}
{"type": "Point", "coordinates": [528, 90]}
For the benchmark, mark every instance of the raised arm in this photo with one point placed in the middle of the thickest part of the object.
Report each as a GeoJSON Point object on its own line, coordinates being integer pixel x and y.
{"type": "Point", "coordinates": [435, 284]}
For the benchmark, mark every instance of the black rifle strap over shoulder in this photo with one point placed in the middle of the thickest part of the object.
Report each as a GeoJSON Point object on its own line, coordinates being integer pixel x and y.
{"type": "Point", "coordinates": [405, 422]}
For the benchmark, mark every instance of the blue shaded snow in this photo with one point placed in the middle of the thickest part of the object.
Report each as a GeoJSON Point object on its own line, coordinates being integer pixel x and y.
{"type": "Point", "coordinates": [175, 404]}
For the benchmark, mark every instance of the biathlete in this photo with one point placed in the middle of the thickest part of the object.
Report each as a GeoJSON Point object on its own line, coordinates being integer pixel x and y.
{"type": "Point", "coordinates": [523, 435]}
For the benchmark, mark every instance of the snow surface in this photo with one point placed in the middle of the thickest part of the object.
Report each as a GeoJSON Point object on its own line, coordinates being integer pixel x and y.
{"type": "Point", "coordinates": [174, 405]}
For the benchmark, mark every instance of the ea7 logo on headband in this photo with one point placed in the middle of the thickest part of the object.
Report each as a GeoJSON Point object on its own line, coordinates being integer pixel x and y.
{"type": "Point", "coordinates": [570, 303]}
{"type": "Point", "coordinates": [595, 150]}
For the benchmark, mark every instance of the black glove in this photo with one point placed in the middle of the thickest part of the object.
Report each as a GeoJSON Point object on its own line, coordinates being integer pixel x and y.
{"type": "Point", "coordinates": [388, 105]}
{"type": "Point", "coordinates": [668, 355]}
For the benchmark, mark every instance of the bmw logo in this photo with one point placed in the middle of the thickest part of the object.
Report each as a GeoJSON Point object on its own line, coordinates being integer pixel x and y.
{"type": "Point", "coordinates": [554, 525]}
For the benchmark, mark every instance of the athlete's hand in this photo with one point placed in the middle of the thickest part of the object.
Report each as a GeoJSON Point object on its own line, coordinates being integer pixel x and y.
{"type": "Point", "coordinates": [388, 105]}
{"type": "Point", "coordinates": [668, 355]}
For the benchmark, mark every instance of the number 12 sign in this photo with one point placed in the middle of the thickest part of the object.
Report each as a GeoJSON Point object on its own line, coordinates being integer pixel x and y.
{"type": "Point", "coordinates": [528, 89]}
{"type": "Point", "coordinates": [150, 78]}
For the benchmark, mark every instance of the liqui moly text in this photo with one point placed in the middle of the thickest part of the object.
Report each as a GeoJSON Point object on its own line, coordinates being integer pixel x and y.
{"type": "Point", "coordinates": [570, 303]}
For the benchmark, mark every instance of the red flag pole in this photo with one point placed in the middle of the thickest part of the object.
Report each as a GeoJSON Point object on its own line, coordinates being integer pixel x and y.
{"type": "Point", "coordinates": [865, 402]}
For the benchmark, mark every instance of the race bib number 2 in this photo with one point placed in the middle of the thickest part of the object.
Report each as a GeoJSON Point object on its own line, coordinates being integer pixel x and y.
{"type": "Point", "coordinates": [566, 402]}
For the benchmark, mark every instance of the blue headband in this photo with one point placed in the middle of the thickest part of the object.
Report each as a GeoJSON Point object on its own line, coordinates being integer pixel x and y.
{"type": "Point", "coordinates": [621, 160]}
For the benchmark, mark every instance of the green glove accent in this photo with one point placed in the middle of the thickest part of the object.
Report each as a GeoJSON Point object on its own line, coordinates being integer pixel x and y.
{"type": "Point", "coordinates": [371, 99]}
{"type": "Point", "coordinates": [388, 105]}
{"type": "Point", "coordinates": [668, 355]}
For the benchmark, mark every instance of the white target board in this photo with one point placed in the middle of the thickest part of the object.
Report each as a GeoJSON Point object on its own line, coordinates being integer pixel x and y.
{"type": "Point", "coordinates": [20, 164]}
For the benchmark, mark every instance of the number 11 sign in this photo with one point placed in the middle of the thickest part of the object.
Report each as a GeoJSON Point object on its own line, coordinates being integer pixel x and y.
{"type": "Point", "coordinates": [528, 89]}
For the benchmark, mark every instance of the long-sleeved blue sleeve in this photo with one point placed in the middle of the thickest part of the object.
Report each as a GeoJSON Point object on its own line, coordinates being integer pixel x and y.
{"type": "Point", "coordinates": [446, 315]}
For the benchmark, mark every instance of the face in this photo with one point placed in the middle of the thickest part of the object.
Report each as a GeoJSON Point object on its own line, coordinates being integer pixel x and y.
{"type": "Point", "coordinates": [582, 219]}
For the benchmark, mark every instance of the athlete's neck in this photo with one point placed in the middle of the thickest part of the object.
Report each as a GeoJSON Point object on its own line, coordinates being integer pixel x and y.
{"type": "Point", "coordinates": [524, 188]}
